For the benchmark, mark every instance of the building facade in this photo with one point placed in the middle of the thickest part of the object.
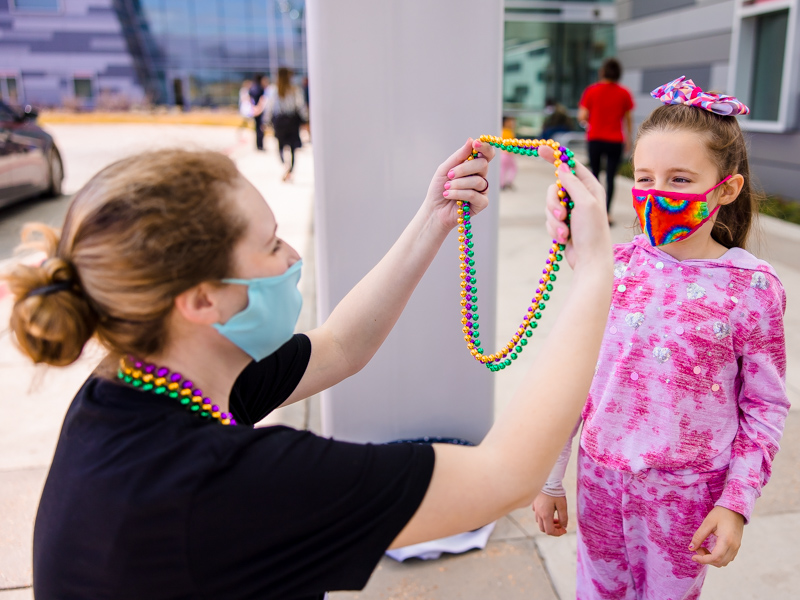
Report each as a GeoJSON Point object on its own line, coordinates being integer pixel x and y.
{"type": "Point", "coordinates": [748, 48]}
{"type": "Point", "coordinates": [552, 50]}
{"type": "Point", "coordinates": [176, 52]}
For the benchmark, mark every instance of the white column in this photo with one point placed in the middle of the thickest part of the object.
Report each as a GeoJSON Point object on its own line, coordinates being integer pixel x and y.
{"type": "Point", "coordinates": [396, 87]}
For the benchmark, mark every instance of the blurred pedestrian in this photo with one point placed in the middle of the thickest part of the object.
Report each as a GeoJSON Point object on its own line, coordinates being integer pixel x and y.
{"type": "Point", "coordinates": [604, 107]}
{"type": "Point", "coordinates": [260, 83]}
{"type": "Point", "coordinates": [508, 164]}
{"type": "Point", "coordinates": [286, 108]}
{"type": "Point", "coordinates": [246, 106]}
{"type": "Point", "coordinates": [556, 119]}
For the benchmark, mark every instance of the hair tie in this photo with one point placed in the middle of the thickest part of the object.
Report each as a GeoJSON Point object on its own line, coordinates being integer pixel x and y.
{"type": "Point", "coordinates": [59, 286]}
{"type": "Point", "coordinates": [684, 91]}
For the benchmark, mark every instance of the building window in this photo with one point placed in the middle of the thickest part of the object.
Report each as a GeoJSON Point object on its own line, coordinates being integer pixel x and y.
{"type": "Point", "coordinates": [8, 90]}
{"type": "Point", "coordinates": [37, 5]}
{"type": "Point", "coordinates": [764, 39]}
{"type": "Point", "coordinates": [83, 88]}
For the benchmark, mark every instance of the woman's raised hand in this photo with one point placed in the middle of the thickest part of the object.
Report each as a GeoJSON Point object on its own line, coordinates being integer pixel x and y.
{"type": "Point", "coordinates": [460, 179]}
{"type": "Point", "coordinates": [588, 237]}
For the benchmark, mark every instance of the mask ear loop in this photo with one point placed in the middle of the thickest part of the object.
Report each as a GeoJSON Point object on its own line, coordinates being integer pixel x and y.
{"type": "Point", "coordinates": [719, 184]}
{"type": "Point", "coordinates": [717, 207]}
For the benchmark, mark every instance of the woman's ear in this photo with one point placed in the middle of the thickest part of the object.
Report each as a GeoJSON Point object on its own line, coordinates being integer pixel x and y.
{"type": "Point", "coordinates": [731, 189]}
{"type": "Point", "coordinates": [200, 304]}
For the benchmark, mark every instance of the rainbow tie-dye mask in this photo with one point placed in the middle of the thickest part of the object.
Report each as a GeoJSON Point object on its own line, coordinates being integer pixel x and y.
{"type": "Point", "coordinates": [668, 217]}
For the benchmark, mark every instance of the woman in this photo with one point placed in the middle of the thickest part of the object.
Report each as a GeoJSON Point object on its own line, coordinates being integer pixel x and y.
{"type": "Point", "coordinates": [603, 108]}
{"type": "Point", "coordinates": [172, 259]}
{"type": "Point", "coordinates": [286, 107]}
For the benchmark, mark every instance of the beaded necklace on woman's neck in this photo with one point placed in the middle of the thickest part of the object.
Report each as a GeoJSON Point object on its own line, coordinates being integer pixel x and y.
{"type": "Point", "coordinates": [160, 381]}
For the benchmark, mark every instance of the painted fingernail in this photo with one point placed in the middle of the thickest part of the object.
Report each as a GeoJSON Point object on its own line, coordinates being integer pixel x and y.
{"type": "Point", "coordinates": [451, 173]}
{"type": "Point", "coordinates": [563, 167]}
{"type": "Point", "coordinates": [445, 193]}
{"type": "Point", "coordinates": [476, 144]}
{"type": "Point", "coordinates": [691, 546]}
{"type": "Point", "coordinates": [556, 213]}
{"type": "Point", "coordinates": [447, 185]}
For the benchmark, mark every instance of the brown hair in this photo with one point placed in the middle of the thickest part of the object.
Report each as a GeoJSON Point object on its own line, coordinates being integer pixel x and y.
{"type": "Point", "coordinates": [140, 232]}
{"type": "Point", "coordinates": [726, 145]}
{"type": "Point", "coordinates": [284, 81]}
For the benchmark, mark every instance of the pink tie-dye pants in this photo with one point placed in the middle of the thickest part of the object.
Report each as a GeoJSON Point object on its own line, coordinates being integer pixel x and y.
{"type": "Point", "coordinates": [633, 533]}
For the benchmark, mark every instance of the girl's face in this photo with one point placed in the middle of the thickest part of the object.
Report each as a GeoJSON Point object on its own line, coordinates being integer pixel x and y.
{"type": "Point", "coordinates": [675, 161]}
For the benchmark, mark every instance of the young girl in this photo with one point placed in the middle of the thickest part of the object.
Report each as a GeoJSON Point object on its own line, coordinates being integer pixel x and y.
{"type": "Point", "coordinates": [688, 401]}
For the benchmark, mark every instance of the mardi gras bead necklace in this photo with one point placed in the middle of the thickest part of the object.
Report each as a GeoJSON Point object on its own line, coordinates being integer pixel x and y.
{"type": "Point", "coordinates": [469, 289]}
{"type": "Point", "coordinates": [159, 380]}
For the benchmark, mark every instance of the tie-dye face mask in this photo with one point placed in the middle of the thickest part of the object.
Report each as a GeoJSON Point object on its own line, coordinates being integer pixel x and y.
{"type": "Point", "coordinates": [668, 217]}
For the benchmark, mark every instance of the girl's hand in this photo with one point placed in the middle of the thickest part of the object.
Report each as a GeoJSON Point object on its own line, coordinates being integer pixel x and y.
{"type": "Point", "coordinates": [545, 507]}
{"type": "Point", "coordinates": [460, 179]}
{"type": "Point", "coordinates": [588, 237]}
{"type": "Point", "coordinates": [728, 527]}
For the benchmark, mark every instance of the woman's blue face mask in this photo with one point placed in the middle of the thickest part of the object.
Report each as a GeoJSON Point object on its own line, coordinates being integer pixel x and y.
{"type": "Point", "coordinates": [271, 315]}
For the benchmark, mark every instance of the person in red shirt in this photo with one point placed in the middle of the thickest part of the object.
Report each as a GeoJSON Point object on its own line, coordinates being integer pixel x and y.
{"type": "Point", "coordinates": [604, 107]}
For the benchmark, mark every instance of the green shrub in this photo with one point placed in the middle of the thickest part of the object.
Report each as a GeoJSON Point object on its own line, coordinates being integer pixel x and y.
{"type": "Point", "coordinates": [781, 208]}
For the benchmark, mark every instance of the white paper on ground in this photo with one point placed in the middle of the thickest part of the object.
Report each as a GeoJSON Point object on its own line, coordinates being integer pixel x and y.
{"type": "Point", "coordinates": [455, 544]}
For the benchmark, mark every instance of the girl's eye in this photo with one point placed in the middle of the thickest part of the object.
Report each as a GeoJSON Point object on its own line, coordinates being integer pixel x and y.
{"type": "Point", "coordinates": [681, 180]}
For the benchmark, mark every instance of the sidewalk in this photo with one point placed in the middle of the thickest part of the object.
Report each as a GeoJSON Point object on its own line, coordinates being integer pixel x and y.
{"type": "Point", "coordinates": [519, 562]}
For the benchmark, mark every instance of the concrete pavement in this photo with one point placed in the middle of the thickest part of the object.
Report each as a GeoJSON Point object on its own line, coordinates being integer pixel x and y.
{"type": "Point", "coordinates": [519, 562]}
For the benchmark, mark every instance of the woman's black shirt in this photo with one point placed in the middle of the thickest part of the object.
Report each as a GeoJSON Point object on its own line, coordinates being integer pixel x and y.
{"type": "Point", "coordinates": [146, 500]}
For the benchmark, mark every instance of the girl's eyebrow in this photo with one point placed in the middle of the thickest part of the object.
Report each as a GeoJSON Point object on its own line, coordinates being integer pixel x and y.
{"type": "Point", "coordinates": [682, 170]}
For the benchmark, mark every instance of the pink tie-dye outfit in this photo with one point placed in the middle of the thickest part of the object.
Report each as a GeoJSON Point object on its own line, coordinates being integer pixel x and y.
{"type": "Point", "coordinates": [685, 412]}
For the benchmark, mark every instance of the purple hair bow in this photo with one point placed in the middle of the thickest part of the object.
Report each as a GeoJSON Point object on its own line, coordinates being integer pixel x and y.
{"type": "Point", "coordinates": [684, 91]}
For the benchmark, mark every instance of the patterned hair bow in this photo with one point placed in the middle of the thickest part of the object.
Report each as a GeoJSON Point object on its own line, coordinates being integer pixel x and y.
{"type": "Point", "coordinates": [684, 91]}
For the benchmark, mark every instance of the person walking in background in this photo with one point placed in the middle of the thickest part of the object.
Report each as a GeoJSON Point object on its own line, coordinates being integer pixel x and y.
{"type": "Point", "coordinates": [260, 83]}
{"type": "Point", "coordinates": [508, 165]}
{"type": "Point", "coordinates": [556, 119]}
{"type": "Point", "coordinates": [604, 107]}
{"type": "Point", "coordinates": [246, 106]}
{"type": "Point", "coordinates": [286, 108]}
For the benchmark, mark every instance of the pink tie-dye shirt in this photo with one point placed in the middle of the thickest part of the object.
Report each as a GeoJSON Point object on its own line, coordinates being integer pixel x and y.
{"type": "Point", "coordinates": [691, 373]}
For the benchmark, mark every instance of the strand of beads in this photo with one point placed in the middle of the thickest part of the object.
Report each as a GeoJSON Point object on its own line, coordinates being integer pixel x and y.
{"type": "Point", "coordinates": [469, 290]}
{"type": "Point", "coordinates": [159, 380]}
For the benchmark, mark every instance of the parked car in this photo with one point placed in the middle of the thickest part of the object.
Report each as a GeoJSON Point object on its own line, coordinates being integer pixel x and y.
{"type": "Point", "coordinates": [30, 164]}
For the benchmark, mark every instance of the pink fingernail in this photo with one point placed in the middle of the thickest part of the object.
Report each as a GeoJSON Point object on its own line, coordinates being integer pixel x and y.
{"type": "Point", "coordinates": [564, 167]}
{"type": "Point", "coordinates": [691, 546]}
{"type": "Point", "coordinates": [451, 173]}
{"type": "Point", "coordinates": [556, 213]}
{"type": "Point", "coordinates": [447, 185]}
{"type": "Point", "coordinates": [476, 144]}
{"type": "Point", "coordinates": [445, 193]}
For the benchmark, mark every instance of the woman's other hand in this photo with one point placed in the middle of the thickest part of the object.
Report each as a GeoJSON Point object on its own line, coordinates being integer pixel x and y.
{"type": "Point", "coordinates": [588, 237]}
{"type": "Point", "coordinates": [545, 507]}
{"type": "Point", "coordinates": [460, 179]}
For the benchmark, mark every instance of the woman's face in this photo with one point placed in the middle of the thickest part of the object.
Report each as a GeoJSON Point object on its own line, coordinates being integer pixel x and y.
{"type": "Point", "coordinates": [675, 161]}
{"type": "Point", "coordinates": [259, 252]}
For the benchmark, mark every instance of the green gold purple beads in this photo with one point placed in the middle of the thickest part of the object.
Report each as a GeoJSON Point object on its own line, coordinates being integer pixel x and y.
{"type": "Point", "coordinates": [504, 357]}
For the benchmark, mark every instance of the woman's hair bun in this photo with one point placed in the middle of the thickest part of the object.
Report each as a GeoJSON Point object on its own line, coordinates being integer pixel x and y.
{"type": "Point", "coordinates": [51, 318]}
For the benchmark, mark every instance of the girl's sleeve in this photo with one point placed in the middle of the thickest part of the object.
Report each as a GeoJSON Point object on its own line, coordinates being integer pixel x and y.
{"type": "Point", "coordinates": [554, 485]}
{"type": "Point", "coordinates": [763, 406]}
